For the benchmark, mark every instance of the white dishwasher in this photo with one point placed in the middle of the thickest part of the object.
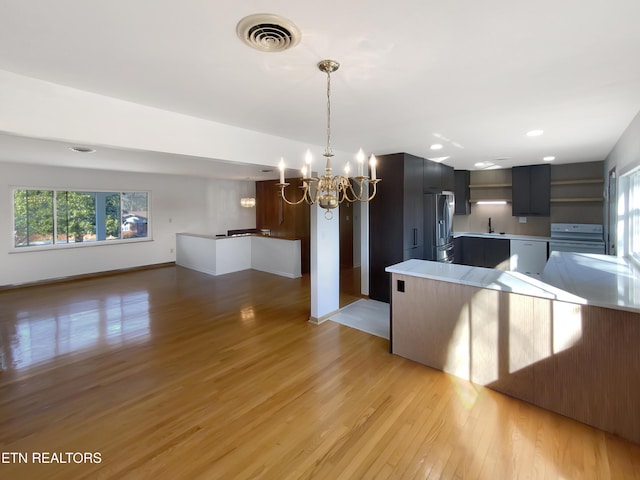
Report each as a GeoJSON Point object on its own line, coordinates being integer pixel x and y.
{"type": "Point", "coordinates": [528, 256]}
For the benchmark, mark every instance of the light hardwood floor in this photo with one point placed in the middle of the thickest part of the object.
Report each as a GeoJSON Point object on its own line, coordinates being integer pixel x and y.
{"type": "Point", "coordinates": [173, 374]}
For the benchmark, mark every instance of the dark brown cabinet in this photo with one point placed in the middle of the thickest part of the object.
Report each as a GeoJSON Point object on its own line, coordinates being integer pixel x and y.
{"type": "Point", "coordinates": [437, 177]}
{"type": "Point", "coordinates": [396, 220]}
{"type": "Point", "coordinates": [432, 179]}
{"type": "Point", "coordinates": [483, 252]}
{"type": "Point", "coordinates": [496, 253]}
{"type": "Point", "coordinates": [447, 176]}
{"type": "Point", "coordinates": [461, 192]}
{"type": "Point", "coordinates": [531, 190]}
{"type": "Point", "coordinates": [457, 250]}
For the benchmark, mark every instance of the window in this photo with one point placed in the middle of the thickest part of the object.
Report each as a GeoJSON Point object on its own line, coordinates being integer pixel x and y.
{"type": "Point", "coordinates": [58, 217]}
{"type": "Point", "coordinates": [634, 215]}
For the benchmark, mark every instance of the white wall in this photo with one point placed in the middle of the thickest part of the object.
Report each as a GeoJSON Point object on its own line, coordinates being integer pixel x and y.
{"type": "Point", "coordinates": [223, 206]}
{"type": "Point", "coordinates": [35, 108]}
{"type": "Point", "coordinates": [625, 157]}
{"type": "Point", "coordinates": [178, 204]}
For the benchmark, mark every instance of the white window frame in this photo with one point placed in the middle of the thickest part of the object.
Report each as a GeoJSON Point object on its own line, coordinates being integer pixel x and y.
{"type": "Point", "coordinates": [62, 246]}
{"type": "Point", "coordinates": [632, 227]}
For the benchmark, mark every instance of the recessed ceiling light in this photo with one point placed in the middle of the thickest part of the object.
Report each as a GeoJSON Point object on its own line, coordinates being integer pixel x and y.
{"type": "Point", "coordinates": [486, 165]}
{"type": "Point", "coordinates": [82, 149]}
{"type": "Point", "coordinates": [436, 146]}
{"type": "Point", "coordinates": [534, 133]}
{"type": "Point", "coordinates": [549, 159]}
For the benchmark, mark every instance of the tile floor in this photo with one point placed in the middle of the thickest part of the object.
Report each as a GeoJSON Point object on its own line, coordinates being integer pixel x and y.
{"type": "Point", "coordinates": [367, 315]}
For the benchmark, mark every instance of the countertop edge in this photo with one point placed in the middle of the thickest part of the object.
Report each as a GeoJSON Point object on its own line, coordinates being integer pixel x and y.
{"type": "Point", "coordinates": [215, 237]}
{"type": "Point", "coordinates": [539, 289]}
{"type": "Point", "coordinates": [506, 236]}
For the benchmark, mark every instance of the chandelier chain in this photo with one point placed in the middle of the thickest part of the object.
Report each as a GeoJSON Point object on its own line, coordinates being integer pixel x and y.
{"type": "Point", "coordinates": [328, 149]}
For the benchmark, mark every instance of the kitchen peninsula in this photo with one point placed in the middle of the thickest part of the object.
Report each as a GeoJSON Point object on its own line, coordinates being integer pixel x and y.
{"type": "Point", "coordinates": [219, 255]}
{"type": "Point", "coordinates": [546, 345]}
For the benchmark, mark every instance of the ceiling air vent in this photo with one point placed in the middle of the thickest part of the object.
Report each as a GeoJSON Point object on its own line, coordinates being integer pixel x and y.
{"type": "Point", "coordinates": [268, 33]}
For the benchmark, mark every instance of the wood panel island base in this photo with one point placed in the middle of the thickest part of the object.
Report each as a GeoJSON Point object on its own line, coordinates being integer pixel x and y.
{"type": "Point", "coordinates": [521, 337]}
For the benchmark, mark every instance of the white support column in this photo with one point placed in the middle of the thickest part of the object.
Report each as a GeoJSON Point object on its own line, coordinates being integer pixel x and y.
{"type": "Point", "coordinates": [325, 264]}
{"type": "Point", "coordinates": [364, 248]}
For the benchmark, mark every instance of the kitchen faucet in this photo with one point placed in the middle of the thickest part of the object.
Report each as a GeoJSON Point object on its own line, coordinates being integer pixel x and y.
{"type": "Point", "coordinates": [491, 230]}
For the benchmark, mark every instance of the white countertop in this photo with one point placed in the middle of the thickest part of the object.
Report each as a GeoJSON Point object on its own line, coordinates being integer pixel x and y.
{"type": "Point", "coordinates": [604, 280]}
{"type": "Point", "coordinates": [508, 236]}
{"type": "Point", "coordinates": [483, 278]}
{"type": "Point", "coordinates": [240, 235]}
{"type": "Point", "coordinates": [587, 279]}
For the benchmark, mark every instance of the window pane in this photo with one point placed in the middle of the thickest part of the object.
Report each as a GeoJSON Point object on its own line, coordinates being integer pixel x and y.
{"type": "Point", "coordinates": [33, 214]}
{"type": "Point", "coordinates": [76, 217]}
{"type": "Point", "coordinates": [134, 214]}
{"type": "Point", "coordinates": [634, 215]}
{"type": "Point", "coordinates": [112, 213]}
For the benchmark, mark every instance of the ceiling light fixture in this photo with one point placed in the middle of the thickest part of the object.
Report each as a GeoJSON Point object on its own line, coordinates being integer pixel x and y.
{"type": "Point", "coordinates": [549, 159]}
{"type": "Point", "coordinates": [485, 165]}
{"type": "Point", "coordinates": [436, 146]}
{"type": "Point", "coordinates": [534, 133]}
{"type": "Point", "coordinates": [329, 191]}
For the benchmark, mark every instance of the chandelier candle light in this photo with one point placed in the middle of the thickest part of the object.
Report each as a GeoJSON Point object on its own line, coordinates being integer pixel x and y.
{"type": "Point", "coordinates": [329, 191]}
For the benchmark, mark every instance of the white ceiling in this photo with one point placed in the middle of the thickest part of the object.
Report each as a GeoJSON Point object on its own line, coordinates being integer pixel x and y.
{"type": "Point", "coordinates": [472, 76]}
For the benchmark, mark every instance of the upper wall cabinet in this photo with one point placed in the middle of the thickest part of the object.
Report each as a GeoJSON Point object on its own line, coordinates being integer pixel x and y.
{"type": "Point", "coordinates": [461, 192]}
{"type": "Point", "coordinates": [531, 190]}
{"type": "Point", "coordinates": [448, 178]}
{"type": "Point", "coordinates": [437, 177]}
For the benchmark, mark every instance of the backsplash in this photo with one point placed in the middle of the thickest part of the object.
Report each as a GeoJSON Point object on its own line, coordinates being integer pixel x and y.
{"type": "Point", "coordinates": [565, 190]}
{"type": "Point", "coordinates": [501, 221]}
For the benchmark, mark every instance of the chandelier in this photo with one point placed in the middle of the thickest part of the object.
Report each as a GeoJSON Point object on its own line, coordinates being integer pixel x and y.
{"type": "Point", "coordinates": [327, 190]}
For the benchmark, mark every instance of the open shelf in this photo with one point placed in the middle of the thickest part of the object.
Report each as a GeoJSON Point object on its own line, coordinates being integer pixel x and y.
{"type": "Point", "coordinates": [576, 200]}
{"type": "Point", "coordinates": [491, 185]}
{"type": "Point", "coordinates": [585, 181]}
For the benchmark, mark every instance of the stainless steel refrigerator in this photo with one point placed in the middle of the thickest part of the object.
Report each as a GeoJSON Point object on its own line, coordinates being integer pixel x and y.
{"type": "Point", "coordinates": [438, 226]}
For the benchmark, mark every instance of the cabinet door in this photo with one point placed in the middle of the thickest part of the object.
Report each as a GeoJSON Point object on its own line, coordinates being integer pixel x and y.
{"type": "Point", "coordinates": [473, 251]}
{"type": "Point", "coordinates": [521, 191]}
{"type": "Point", "coordinates": [458, 250]}
{"type": "Point", "coordinates": [447, 178]}
{"type": "Point", "coordinates": [386, 225]}
{"type": "Point", "coordinates": [496, 253]}
{"type": "Point", "coordinates": [540, 190]}
{"type": "Point", "coordinates": [528, 256]}
{"type": "Point", "coordinates": [432, 180]}
{"type": "Point", "coordinates": [413, 216]}
{"type": "Point", "coordinates": [461, 192]}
